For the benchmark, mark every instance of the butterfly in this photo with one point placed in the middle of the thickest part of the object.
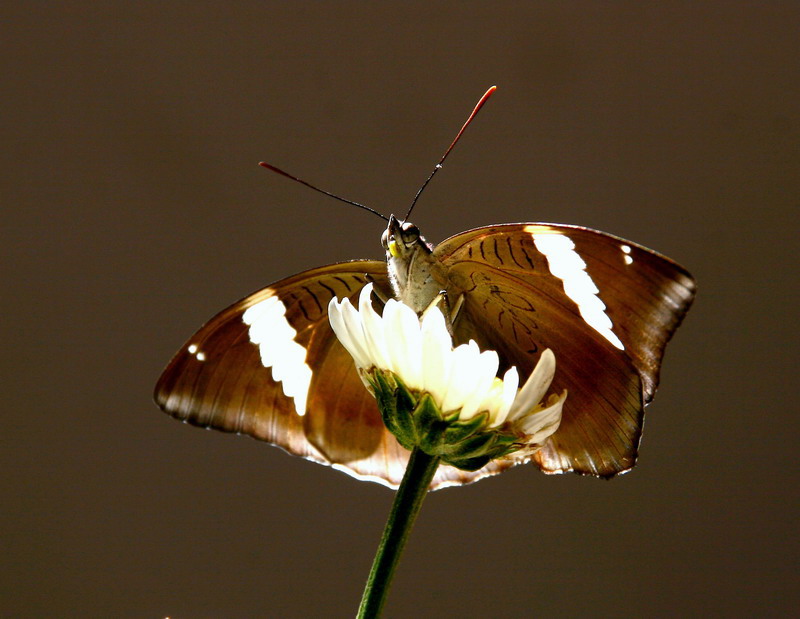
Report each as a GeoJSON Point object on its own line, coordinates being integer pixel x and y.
{"type": "Point", "coordinates": [270, 366]}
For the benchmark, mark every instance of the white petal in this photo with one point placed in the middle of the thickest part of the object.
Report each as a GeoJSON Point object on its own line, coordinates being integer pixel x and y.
{"type": "Point", "coordinates": [451, 399]}
{"type": "Point", "coordinates": [391, 337]}
{"type": "Point", "coordinates": [486, 372]}
{"type": "Point", "coordinates": [412, 334]}
{"type": "Point", "coordinates": [436, 354]}
{"type": "Point", "coordinates": [352, 322]}
{"type": "Point", "coordinates": [545, 422]}
{"type": "Point", "coordinates": [403, 342]}
{"type": "Point", "coordinates": [510, 384]}
{"type": "Point", "coordinates": [373, 329]}
{"type": "Point", "coordinates": [493, 401]}
{"type": "Point", "coordinates": [536, 386]}
{"type": "Point", "coordinates": [463, 374]}
{"type": "Point", "coordinates": [339, 328]}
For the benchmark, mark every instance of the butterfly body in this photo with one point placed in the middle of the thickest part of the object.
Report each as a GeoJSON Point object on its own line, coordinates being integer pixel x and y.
{"type": "Point", "coordinates": [410, 265]}
{"type": "Point", "coordinates": [269, 366]}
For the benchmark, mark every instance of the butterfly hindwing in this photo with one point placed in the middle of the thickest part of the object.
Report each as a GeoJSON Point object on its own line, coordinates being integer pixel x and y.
{"type": "Point", "coordinates": [605, 306]}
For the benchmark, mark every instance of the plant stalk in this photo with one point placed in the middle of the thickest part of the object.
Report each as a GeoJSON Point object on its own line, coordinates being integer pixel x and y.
{"type": "Point", "coordinates": [407, 502]}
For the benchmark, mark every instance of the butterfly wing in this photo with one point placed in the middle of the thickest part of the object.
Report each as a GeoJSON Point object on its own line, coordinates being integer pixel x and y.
{"type": "Point", "coordinates": [605, 306]}
{"type": "Point", "coordinates": [271, 367]}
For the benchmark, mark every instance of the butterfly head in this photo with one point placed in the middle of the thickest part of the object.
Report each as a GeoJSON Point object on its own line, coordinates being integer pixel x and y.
{"type": "Point", "coordinates": [401, 240]}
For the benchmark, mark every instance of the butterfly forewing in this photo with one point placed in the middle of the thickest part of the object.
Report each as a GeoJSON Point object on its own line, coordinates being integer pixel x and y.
{"type": "Point", "coordinates": [605, 306]}
{"type": "Point", "coordinates": [249, 369]}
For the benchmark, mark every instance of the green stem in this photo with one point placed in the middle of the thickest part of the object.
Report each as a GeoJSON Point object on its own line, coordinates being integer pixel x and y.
{"type": "Point", "coordinates": [419, 473]}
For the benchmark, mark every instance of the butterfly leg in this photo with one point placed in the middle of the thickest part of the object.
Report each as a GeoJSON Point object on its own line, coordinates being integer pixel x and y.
{"type": "Point", "coordinates": [382, 296]}
{"type": "Point", "coordinates": [456, 311]}
{"type": "Point", "coordinates": [450, 312]}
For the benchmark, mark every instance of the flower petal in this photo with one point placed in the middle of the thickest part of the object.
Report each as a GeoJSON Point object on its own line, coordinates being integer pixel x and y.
{"type": "Point", "coordinates": [510, 384]}
{"type": "Point", "coordinates": [436, 354]}
{"type": "Point", "coordinates": [412, 333]}
{"type": "Point", "coordinates": [339, 327]}
{"type": "Point", "coordinates": [493, 400]}
{"type": "Point", "coordinates": [535, 387]}
{"type": "Point", "coordinates": [373, 330]}
{"type": "Point", "coordinates": [485, 373]}
{"type": "Point", "coordinates": [462, 375]}
{"type": "Point", "coordinates": [403, 342]}
{"type": "Point", "coordinates": [391, 337]}
{"type": "Point", "coordinates": [541, 424]}
{"type": "Point", "coordinates": [352, 322]}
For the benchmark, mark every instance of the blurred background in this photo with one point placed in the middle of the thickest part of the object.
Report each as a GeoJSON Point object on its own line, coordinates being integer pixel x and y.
{"type": "Point", "coordinates": [133, 210]}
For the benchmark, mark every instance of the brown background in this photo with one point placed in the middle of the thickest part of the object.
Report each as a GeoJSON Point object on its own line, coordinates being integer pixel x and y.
{"type": "Point", "coordinates": [133, 210]}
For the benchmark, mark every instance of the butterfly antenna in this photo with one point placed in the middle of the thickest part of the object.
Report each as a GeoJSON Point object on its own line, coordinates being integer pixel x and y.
{"type": "Point", "coordinates": [438, 166]}
{"type": "Point", "coordinates": [327, 193]}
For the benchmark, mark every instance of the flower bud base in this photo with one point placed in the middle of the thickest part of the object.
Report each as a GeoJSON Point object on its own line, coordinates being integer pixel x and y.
{"type": "Point", "coordinates": [415, 420]}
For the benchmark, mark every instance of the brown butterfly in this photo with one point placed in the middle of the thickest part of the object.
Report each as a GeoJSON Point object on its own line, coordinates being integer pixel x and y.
{"type": "Point", "coordinates": [270, 365]}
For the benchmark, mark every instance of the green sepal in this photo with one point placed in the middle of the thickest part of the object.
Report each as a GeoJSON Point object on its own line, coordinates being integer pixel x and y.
{"type": "Point", "coordinates": [507, 442]}
{"type": "Point", "coordinates": [406, 403]}
{"type": "Point", "coordinates": [458, 432]}
{"type": "Point", "coordinates": [477, 445]}
{"type": "Point", "coordinates": [405, 399]}
{"type": "Point", "coordinates": [452, 417]}
{"type": "Point", "coordinates": [475, 452]}
{"type": "Point", "coordinates": [417, 422]}
{"type": "Point", "coordinates": [395, 411]}
{"type": "Point", "coordinates": [384, 396]}
{"type": "Point", "coordinates": [469, 464]}
{"type": "Point", "coordinates": [429, 425]}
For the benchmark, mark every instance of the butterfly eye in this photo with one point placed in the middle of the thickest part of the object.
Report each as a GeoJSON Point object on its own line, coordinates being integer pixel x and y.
{"type": "Point", "coordinates": [410, 233]}
{"type": "Point", "coordinates": [385, 239]}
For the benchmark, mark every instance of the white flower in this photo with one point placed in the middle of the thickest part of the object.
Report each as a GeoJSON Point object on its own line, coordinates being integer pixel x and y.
{"type": "Point", "coordinates": [461, 379]}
